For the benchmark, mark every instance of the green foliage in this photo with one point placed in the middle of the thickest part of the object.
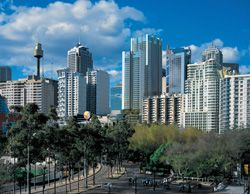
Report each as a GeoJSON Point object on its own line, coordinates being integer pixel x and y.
{"type": "Point", "coordinates": [27, 131]}
{"type": "Point", "coordinates": [210, 155]}
{"type": "Point", "coordinates": [189, 151]}
{"type": "Point", "coordinates": [148, 138]}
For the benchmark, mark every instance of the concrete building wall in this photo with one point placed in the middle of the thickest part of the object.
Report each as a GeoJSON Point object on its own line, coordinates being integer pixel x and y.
{"type": "Point", "coordinates": [164, 109]}
{"type": "Point", "coordinates": [71, 93]}
{"type": "Point", "coordinates": [234, 102]}
{"type": "Point", "coordinates": [40, 91]}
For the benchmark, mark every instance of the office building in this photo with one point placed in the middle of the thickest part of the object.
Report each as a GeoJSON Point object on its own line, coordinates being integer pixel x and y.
{"type": "Point", "coordinates": [164, 82]}
{"type": "Point", "coordinates": [5, 73]}
{"type": "Point", "coordinates": [80, 59]}
{"type": "Point", "coordinates": [234, 102]}
{"type": "Point", "coordinates": [71, 93]}
{"type": "Point", "coordinates": [42, 92]}
{"type": "Point", "coordinates": [164, 109]}
{"type": "Point", "coordinates": [116, 97]}
{"type": "Point", "coordinates": [98, 92]}
{"type": "Point", "coordinates": [176, 69]}
{"type": "Point", "coordinates": [141, 71]}
{"type": "Point", "coordinates": [202, 92]}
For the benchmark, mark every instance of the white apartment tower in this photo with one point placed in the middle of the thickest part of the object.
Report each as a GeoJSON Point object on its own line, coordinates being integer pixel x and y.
{"type": "Point", "coordinates": [71, 93]}
{"type": "Point", "coordinates": [42, 92]}
{"type": "Point", "coordinates": [234, 102]}
{"type": "Point", "coordinates": [98, 92]}
{"type": "Point", "coordinates": [141, 71]}
{"type": "Point", "coordinates": [202, 92]}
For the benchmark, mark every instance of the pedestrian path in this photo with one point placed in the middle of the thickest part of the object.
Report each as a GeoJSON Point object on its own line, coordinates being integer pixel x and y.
{"type": "Point", "coordinates": [232, 190]}
{"type": "Point", "coordinates": [72, 185]}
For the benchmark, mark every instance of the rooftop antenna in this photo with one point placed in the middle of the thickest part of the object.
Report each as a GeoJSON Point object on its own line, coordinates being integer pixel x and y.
{"type": "Point", "coordinates": [51, 67]}
{"type": "Point", "coordinates": [168, 46]}
{"type": "Point", "coordinates": [79, 37]}
{"type": "Point", "coordinates": [42, 66]}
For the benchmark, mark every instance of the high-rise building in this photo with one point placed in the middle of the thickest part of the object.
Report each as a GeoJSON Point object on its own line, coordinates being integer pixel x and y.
{"type": "Point", "coordinates": [176, 69]}
{"type": "Point", "coordinates": [234, 102]}
{"type": "Point", "coordinates": [71, 93]}
{"type": "Point", "coordinates": [163, 109]}
{"type": "Point", "coordinates": [202, 92]}
{"type": "Point", "coordinates": [141, 71]}
{"type": "Point", "coordinates": [5, 73]}
{"type": "Point", "coordinates": [43, 92]}
{"type": "Point", "coordinates": [98, 92]}
{"type": "Point", "coordinates": [212, 52]}
{"type": "Point", "coordinates": [164, 82]}
{"type": "Point", "coordinates": [116, 97]}
{"type": "Point", "coordinates": [80, 59]}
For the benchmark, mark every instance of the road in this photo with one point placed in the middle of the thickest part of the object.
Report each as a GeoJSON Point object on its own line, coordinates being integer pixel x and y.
{"type": "Point", "coordinates": [121, 185]}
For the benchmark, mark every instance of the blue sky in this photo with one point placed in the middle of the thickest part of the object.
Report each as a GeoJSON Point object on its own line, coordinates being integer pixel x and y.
{"type": "Point", "coordinates": [107, 26]}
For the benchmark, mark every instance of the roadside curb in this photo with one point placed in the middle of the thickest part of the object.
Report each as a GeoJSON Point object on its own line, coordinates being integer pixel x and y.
{"type": "Point", "coordinates": [85, 190]}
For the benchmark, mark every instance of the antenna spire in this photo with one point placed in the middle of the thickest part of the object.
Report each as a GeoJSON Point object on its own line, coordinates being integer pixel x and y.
{"type": "Point", "coordinates": [79, 36]}
{"type": "Point", "coordinates": [42, 65]}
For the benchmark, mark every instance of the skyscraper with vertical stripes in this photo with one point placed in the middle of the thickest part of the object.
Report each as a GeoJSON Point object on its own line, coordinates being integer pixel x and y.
{"type": "Point", "coordinates": [141, 71]}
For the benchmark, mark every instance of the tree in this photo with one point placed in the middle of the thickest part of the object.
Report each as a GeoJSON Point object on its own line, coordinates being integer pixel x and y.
{"type": "Point", "coordinates": [207, 155]}
{"type": "Point", "coordinates": [24, 140]}
{"type": "Point", "coordinates": [51, 144]}
{"type": "Point", "coordinates": [67, 153]}
{"type": "Point", "coordinates": [118, 145]}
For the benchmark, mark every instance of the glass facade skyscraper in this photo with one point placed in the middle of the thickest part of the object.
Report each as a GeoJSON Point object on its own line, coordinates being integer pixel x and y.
{"type": "Point", "coordinates": [141, 71]}
{"type": "Point", "coordinates": [5, 73]}
{"type": "Point", "coordinates": [80, 59]}
{"type": "Point", "coordinates": [176, 69]}
{"type": "Point", "coordinates": [98, 92]}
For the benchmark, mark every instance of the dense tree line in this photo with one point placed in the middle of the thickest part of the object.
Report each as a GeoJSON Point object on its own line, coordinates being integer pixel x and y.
{"type": "Point", "coordinates": [73, 146]}
{"type": "Point", "coordinates": [189, 152]}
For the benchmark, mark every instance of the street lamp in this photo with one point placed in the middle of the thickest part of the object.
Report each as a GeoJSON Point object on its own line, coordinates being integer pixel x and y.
{"type": "Point", "coordinates": [28, 162]}
{"type": "Point", "coordinates": [55, 162]}
{"type": "Point", "coordinates": [44, 168]}
{"type": "Point", "coordinates": [85, 171]}
{"type": "Point", "coordinates": [135, 180]}
{"type": "Point", "coordinates": [154, 169]}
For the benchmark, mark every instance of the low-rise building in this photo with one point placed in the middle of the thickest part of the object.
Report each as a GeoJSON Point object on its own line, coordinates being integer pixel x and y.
{"type": "Point", "coordinates": [164, 109]}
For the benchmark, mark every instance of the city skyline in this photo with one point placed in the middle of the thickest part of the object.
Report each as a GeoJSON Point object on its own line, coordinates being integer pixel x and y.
{"type": "Point", "coordinates": [121, 21]}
